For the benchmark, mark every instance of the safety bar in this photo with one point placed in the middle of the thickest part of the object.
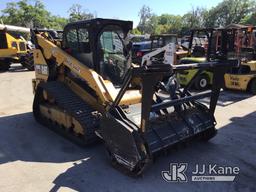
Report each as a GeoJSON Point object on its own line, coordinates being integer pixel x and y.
{"type": "Point", "coordinates": [207, 65]}
{"type": "Point", "coordinates": [164, 105]}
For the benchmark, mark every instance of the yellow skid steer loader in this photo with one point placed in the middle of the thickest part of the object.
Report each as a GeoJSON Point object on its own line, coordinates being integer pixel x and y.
{"type": "Point", "coordinates": [85, 90]}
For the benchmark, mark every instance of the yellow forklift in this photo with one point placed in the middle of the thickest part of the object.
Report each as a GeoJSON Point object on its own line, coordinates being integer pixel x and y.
{"type": "Point", "coordinates": [200, 48]}
{"type": "Point", "coordinates": [243, 46]}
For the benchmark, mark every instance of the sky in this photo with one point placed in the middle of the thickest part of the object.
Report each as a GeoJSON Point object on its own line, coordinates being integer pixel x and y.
{"type": "Point", "coordinates": [121, 9]}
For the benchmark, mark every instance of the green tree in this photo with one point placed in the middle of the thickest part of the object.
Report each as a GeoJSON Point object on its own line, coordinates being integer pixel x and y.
{"type": "Point", "coordinates": [249, 19]}
{"type": "Point", "coordinates": [145, 14]}
{"type": "Point", "coordinates": [229, 11]}
{"type": "Point", "coordinates": [136, 31]}
{"type": "Point", "coordinates": [194, 18]}
{"type": "Point", "coordinates": [57, 22]}
{"type": "Point", "coordinates": [31, 14]}
{"type": "Point", "coordinates": [25, 14]}
{"type": "Point", "coordinates": [168, 24]}
{"type": "Point", "coordinates": [77, 13]}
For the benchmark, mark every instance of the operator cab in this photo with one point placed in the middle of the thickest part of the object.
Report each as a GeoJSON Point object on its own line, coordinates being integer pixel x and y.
{"type": "Point", "coordinates": [158, 41]}
{"type": "Point", "coordinates": [100, 45]}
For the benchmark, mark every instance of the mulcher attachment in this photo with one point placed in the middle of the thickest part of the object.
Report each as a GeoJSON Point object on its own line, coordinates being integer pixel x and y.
{"type": "Point", "coordinates": [164, 121]}
{"type": "Point", "coordinates": [178, 127]}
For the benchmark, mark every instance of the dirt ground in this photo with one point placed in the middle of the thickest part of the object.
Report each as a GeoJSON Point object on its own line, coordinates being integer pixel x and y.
{"type": "Point", "coordinates": [32, 158]}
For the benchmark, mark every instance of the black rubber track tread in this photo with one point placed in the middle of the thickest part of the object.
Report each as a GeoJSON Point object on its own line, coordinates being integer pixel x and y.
{"type": "Point", "coordinates": [72, 104]}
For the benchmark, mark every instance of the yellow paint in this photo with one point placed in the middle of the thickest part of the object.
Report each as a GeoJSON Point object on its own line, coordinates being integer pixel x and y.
{"type": "Point", "coordinates": [11, 51]}
{"type": "Point", "coordinates": [62, 118]}
{"type": "Point", "coordinates": [8, 53]}
{"type": "Point", "coordinates": [241, 81]}
{"type": "Point", "coordinates": [103, 88]}
{"type": "Point", "coordinates": [186, 76]}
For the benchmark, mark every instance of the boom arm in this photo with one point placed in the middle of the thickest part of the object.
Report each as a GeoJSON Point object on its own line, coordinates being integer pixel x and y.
{"type": "Point", "coordinates": [169, 53]}
{"type": "Point", "coordinates": [103, 88]}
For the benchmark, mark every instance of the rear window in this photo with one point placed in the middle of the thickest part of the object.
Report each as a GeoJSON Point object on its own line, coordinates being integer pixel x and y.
{"type": "Point", "coordinates": [3, 40]}
{"type": "Point", "coordinates": [78, 40]}
{"type": "Point", "coordinates": [72, 39]}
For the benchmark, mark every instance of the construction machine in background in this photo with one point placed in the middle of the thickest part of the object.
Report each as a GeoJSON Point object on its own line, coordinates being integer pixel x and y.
{"type": "Point", "coordinates": [242, 41]}
{"type": "Point", "coordinates": [241, 44]}
{"type": "Point", "coordinates": [84, 91]}
{"type": "Point", "coordinates": [14, 48]}
{"type": "Point", "coordinates": [201, 47]}
{"type": "Point", "coordinates": [162, 40]}
{"type": "Point", "coordinates": [155, 42]}
{"type": "Point", "coordinates": [167, 52]}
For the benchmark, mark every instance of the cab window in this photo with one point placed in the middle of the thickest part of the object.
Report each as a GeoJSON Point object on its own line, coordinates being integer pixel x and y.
{"type": "Point", "coordinates": [79, 45]}
{"type": "Point", "coordinates": [83, 37]}
{"type": "Point", "coordinates": [78, 40]}
{"type": "Point", "coordinates": [72, 40]}
{"type": "Point", "coordinates": [113, 63]}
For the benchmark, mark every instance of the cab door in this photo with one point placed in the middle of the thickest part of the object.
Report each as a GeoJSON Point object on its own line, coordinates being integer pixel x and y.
{"type": "Point", "coordinates": [78, 45]}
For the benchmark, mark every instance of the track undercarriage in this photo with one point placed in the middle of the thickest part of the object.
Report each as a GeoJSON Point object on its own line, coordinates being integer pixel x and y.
{"type": "Point", "coordinates": [57, 107]}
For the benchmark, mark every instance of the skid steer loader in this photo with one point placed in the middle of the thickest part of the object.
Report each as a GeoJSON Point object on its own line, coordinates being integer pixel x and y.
{"type": "Point", "coordinates": [84, 90]}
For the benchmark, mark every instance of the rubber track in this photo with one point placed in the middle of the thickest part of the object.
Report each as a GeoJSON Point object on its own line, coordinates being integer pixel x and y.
{"type": "Point", "coordinates": [72, 104]}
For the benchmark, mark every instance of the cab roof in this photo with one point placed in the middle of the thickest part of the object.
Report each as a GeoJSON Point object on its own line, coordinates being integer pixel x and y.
{"type": "Point", "coordinates": [127, 25]}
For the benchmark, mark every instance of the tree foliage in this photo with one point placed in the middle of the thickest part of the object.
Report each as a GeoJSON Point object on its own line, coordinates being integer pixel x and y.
{"type": "Point", "coordinates": [33, 14]}
{"type": "Point", "coordinates": [77, 13]}
{"type": "Point", "coordinates": [145, 14]}
{"type": "Point", "coordinates": [225, 13]}
{"type": "Point", "coordinates": [136, 31]}
{"type": "Point", "coordinates": [249, 19]}
{"type": "Point", "coordinates": [230, 11]}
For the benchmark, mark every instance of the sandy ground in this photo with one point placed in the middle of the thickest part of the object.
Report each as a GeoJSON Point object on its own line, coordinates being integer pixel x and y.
{"type": "Point", "coordinates": [32, 158]}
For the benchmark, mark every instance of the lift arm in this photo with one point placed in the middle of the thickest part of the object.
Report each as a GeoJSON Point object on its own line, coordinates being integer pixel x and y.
{"type": "Point", "coordinates": [104, 89]}
{"type": "Point", "coordinates": [169, 55]}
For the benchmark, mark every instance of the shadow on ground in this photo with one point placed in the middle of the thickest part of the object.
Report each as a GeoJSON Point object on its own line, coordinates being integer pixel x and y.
{"type": "Point", "coordinates": [229, 97]}
{"type": "Point", "coordinates": [233, 146]}
{"type": "Point", "coordinates": [23, 139]}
